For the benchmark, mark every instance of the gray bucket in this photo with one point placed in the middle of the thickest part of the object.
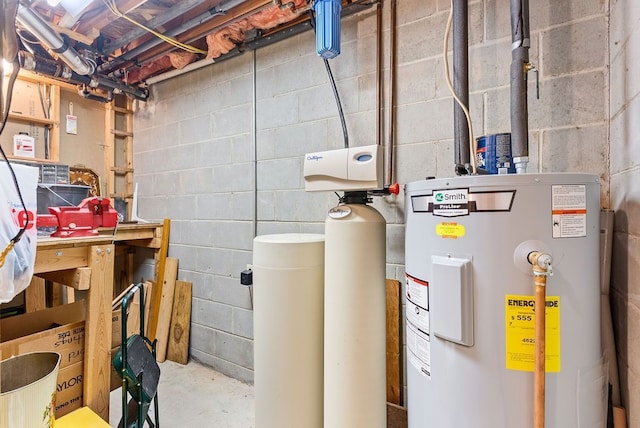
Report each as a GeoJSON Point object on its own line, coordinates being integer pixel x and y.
{"type": "Point", "coordinates": [28, 390]}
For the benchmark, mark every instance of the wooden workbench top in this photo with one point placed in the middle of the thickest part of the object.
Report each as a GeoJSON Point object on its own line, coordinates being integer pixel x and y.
{"type": "Point", "coordinates": [151, 232]}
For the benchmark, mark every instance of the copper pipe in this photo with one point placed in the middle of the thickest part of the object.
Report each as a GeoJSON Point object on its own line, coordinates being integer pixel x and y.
{"type": "Point", "coordinates": [379, 87]}
{"type": "Point", "coordinates": [541, 268]}
{"type": "Point", "coordinates": [392, 90]}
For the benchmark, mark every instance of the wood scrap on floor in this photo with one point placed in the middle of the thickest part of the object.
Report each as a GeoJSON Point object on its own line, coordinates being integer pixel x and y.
{"type": "Point", "coordinates": [178, 349]}
{"type": "Point", "coordinates": [394, 342]}
{"type": "Point", "coordinates": [156, 291]}
{"type": "Point", "coordinates": [166, 305]}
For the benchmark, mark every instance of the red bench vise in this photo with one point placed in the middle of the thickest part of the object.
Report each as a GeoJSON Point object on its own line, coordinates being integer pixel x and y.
{"type": "Point", "coordinates": [80, 221]}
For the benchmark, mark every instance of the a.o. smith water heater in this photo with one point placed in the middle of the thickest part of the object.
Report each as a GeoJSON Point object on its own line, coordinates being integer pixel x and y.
{"type": "Point", "coordinates": [469, 296]}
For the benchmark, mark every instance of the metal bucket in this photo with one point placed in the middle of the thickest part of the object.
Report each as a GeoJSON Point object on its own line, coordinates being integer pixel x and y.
{"type": "Point", "coordinates": [493, 153]}
{"type": "Point", "coordinates": [28, 390]}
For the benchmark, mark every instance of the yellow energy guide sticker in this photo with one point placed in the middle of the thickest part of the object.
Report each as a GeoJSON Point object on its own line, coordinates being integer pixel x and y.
{"type": "Point", "coordinates": [520, 333]}
{"type": "Point", "coordinates": [450, 230]}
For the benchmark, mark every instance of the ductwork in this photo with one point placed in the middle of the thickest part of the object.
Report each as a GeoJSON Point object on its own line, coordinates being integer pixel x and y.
{"type": "Point", "coordinates": [52, 40]}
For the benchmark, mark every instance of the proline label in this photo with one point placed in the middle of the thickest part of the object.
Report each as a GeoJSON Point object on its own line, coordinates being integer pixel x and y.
{"type": "Point", "coordinates": [520, 319]}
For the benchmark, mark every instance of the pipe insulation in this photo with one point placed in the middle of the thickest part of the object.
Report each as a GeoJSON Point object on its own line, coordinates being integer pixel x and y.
{"type": "Point", "coordinates": [462, 142]}
{"type": "Point", "coordinates": [131, 55]}
{"type": "Point", "coordinates": [30, 19]}
{"type": "Point", "coordinates": [520, 64]}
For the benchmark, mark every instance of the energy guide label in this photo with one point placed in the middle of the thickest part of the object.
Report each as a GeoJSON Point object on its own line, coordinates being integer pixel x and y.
{"type": "Point", "coordinates": [569, 210]}
{"type": "Point", "coordinates": [520, 338]}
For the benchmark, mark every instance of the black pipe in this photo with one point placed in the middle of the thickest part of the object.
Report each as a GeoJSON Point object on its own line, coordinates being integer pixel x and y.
{"type": "Point", "coordinates": [461, 85]}
{"type": "Point", "coordinates": [461, 143]}
{"type": "Point", "coordinates": [521, 42]}
{"type": "Point", "coordinates": [53, 69]}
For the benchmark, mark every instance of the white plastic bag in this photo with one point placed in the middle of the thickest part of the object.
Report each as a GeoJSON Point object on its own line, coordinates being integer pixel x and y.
{"type": "Point", "coordinates": [17, 271]}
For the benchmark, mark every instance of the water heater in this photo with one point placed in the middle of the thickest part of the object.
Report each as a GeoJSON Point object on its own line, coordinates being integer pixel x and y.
{"type": "Point", "coordinates": [469, 295]}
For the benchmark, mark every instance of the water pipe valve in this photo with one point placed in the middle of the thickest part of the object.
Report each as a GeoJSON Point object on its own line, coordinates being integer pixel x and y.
{"type": "Point", "coordinates": [541, 263]}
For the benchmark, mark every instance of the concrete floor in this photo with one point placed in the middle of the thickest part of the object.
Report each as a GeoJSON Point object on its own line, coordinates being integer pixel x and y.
{"type": "Point", "coordinates": [196, 396]}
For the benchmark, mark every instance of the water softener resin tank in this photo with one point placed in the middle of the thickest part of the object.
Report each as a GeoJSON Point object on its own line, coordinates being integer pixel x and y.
{"type": "Point", "coordinates": [354, 322]}
{"type": "Point", "coordinates": [469, 290]}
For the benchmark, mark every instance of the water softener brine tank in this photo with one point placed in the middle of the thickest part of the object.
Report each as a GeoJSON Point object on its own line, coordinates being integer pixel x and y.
{"type": "Point", "coordinates": [469, 289]}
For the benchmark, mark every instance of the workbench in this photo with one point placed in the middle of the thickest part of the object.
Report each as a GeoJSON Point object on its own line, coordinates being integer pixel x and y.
{"type": "Point", "coordinates": [87, 263]}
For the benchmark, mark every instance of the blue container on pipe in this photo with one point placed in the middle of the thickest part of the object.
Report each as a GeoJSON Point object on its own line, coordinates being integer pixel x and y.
{"type": "Point", "coordinates": [327, 27]}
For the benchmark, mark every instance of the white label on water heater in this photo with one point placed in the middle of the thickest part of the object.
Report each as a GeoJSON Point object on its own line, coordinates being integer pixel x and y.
{"type": "Point", "coordinates": [419, 354]}
{"type": "Point", "coordinates": [569, 210]}
{"type": "Point", "coordinates": [417, 292]}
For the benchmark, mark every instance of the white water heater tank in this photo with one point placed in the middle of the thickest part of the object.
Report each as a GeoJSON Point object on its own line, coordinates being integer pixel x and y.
{"type": "Point", "coordinates": [469, 289]}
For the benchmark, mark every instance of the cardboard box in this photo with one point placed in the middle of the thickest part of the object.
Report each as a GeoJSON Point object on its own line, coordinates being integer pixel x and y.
{"type": "Point", "coordinates": [59, 329]}
{"type": "Point", "coordinates": [69, 392]}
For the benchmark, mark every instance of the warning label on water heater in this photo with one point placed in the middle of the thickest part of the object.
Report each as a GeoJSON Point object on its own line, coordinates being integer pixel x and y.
{"type": "Point", "coordinates": [569, 210]}
{"type": "Point", "coordinates": [520, 338]}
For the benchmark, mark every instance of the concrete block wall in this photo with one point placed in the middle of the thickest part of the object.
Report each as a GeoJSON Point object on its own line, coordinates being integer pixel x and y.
{"type": "Point", "coordinates": [194, 140]}
{"type": "Point", "coordinates": [624, 54]}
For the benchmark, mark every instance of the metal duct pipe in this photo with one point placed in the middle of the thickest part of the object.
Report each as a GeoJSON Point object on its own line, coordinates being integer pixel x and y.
{"type": "Point", "coordinates": [461, 142]}
{"type": "Point", "coordinates": [52, 69]}
{"type": "Point", "coordinates": [52, 40]}
{"type": "Point", "coordinates": [520, 66]}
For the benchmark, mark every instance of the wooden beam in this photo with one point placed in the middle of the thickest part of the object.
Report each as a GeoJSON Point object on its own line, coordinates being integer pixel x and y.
{"type": "Point", "coordinates": [106, 17]}
{"type": "Point", "coordinates": [156, 291]}
{"type": "Point", "coordinates": [166, 305]}
{"type": "Point", "coordinates": [50, 259]}
{"type": "Point", "coordinates": [394, 342]}
{"type": "Point", "coordinates": [178, 349]}
{"type": "Point", "coordinates": [78, 278]}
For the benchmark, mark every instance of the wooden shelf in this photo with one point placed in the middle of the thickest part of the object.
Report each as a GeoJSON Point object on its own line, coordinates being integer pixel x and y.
{"type": "Point", "coordinates": [121, 170]}
{"type": "Point", "coordinates": [24, 118]}
{"type": "Point", "coordinates": [119, 133]}
{"type": "Point", "coordinates": [122, 110]}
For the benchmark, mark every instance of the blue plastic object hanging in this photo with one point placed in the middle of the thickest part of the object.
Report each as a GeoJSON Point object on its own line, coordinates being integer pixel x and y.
{"type": "Point", "coordinates": [328, 27]}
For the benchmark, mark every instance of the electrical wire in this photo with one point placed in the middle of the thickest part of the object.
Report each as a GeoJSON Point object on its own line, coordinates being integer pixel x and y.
{"type": "Point", "coordinates": [465, 109]}
{"type": "Point", "coordinates": [111, 5]}
{"type": "Point", "coordinates": [343, 122]}
{"type": "Point", "coordinates": [5, 117]}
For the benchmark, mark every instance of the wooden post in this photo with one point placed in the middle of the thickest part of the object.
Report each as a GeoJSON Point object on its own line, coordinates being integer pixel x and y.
{"type": "Point", "coordinates": [35, 299]}
{"type": "Point", "coordinates": [97, 345]}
